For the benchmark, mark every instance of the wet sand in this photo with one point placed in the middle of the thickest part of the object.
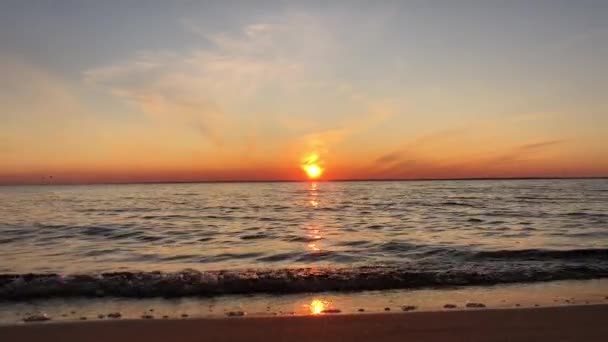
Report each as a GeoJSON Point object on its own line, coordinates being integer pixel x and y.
{"type": "Point", "coordinates": [573, 323]}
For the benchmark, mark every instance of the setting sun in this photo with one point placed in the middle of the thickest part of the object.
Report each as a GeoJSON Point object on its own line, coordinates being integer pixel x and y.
{"type": "Point", "coordinates": [311, 166]}
{"type": "Point", "coordinates": [313, 171]}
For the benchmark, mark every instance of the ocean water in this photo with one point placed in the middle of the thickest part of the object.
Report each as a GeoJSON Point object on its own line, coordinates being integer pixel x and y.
{"type": "Point", "coordinates": [175, 240]}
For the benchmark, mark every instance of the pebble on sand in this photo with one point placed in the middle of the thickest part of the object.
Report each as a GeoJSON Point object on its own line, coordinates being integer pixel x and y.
{"type": "Point", "coordinates": [450, 306]}
{"type": "Point", "coordinates": [37, 318]}
{"type": "Point", "coordinates": [184, 315]}
{"type": "Point", "coordinates": [115, 315]}
{"type": "Point", "coordinates": [101, 316]}
{"type": "Point", "coordinates": [83, 318]}
{"type": "Point", "coordinates": [409, 307]}
{"type": "Point", "coordinates": [165, 316]}
{"type": "Point", "coordinates": [476, 305]}
{"type": "Point", "coordinates": [387, 309]}
{"type": "Point", "coordinates": [147, 316]}
{"type": "Point", "coordinates": [236, 314]}
{"type": "Point", "coordinates": [331, 311]}
{"type": "Point", "coordinates": [361, 310]}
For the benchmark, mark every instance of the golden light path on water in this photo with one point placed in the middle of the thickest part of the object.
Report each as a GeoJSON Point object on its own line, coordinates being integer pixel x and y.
{"type": "Point", "coordinates": [313, 230]}
{"type": "Point", "coordinates": [314, 201]}
{"type": "Point", "coordinates": [317, 306]}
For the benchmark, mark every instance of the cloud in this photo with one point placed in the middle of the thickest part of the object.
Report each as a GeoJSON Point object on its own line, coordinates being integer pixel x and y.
{"type": "Point", "coordinates": [258, 29]}
{"type": "Point", "coordinates": [541, 144]}
{"type": "Point", "coordinates": [389, 158]}
{"type": "Point", "coordinates": [435, 140]}
{"type": "Point", "coordinates": [462, 152]}
{"type": "Point", "coordinates": [524, 152]}
{"type": "Point", "coordinates": [198, 87]}
{"type": "Point", "coordinates": [268, 70]}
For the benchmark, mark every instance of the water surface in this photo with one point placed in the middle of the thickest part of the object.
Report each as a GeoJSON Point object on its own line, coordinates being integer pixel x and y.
{"type": "Point", "coordinates": [291, 237]}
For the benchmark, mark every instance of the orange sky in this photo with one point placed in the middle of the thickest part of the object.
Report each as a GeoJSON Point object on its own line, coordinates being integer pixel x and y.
{"type": "Point", "coordinates": [390, 91]}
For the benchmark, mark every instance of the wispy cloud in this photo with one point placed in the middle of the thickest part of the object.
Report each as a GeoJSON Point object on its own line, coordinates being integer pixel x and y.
{"type": "Point", "coordinates": [240, 76]}
{"type": "Point", "coordinates": [445, 154]}
{"type": "Point", "coordinates": [541, 144]}
{"type": "Point", "coordinates": [203, 87]}
{"type": "Point", "coordinates": [389, 158]}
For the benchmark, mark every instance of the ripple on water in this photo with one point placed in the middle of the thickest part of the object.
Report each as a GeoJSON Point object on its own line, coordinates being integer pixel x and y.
{"type": "Point", "coordinates": [426, 225]}
{"type": "Point", "coordinates": [255, 236]}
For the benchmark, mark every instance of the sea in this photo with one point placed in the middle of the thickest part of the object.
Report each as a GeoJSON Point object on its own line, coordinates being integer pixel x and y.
{"type": "Point", "coordinates": [210, 241]}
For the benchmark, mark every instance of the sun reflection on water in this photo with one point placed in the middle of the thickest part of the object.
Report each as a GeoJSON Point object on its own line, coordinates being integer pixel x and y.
{"type": "Point", "coordinates": [313, 247]}
{"type": "Point", "coordinates": [314, 200]}
{"type": "Point", "coordinates": [317, 306]}
{"type": "Point", "coordinates": [313, 231]}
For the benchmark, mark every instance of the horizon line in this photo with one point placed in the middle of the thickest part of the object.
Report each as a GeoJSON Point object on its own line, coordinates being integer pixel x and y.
{"type": "Point", "coordinates": [311, 180]}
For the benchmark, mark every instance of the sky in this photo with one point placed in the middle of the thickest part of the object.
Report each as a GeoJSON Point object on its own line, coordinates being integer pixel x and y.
{"type": "Point", "coordinates": [130, 91]}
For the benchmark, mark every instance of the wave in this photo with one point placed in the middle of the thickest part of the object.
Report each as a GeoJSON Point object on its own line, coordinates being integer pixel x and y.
{"type": "Point", "coordinates": [586, 214]}
{"type": "Point", "coordinates": [544, 254]}
{"type": "Point", "coordinates": [457, 204]}
{"type": "Point", "coordinates": [216, 283]}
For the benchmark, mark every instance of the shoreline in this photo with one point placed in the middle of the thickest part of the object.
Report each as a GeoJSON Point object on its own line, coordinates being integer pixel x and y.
{"type": "Point", "coordinates": [542, 295]}
{"type": "Point", "coordinates": [563, 323]}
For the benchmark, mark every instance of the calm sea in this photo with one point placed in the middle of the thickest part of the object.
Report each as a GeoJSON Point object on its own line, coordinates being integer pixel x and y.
{"type": "Point", "coordinates": [211, 239]}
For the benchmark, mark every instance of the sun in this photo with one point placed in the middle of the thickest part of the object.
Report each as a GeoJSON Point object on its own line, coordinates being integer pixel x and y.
{"type": "Point", "coordinates": [312, 167]}
{"type": "Point", "coordinates": [313, 171]}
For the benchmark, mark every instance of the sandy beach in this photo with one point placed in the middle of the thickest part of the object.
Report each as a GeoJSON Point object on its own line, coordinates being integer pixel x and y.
{"type": "Point", "coordinates": [573, 323]}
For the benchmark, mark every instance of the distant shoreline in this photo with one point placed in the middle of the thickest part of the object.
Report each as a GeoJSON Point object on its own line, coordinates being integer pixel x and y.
{"type": "Point", "coordinates": [354, 180]}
